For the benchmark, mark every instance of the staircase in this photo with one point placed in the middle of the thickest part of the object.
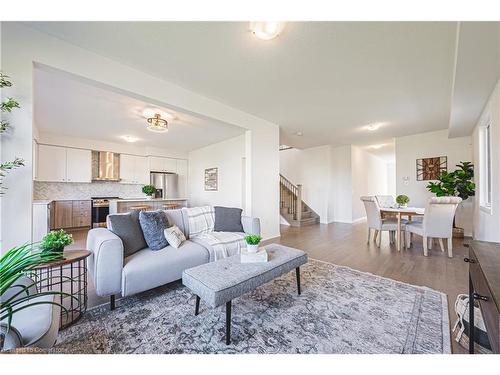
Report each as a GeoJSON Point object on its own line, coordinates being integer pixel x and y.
{"type": "Point", "coordinates": [292, 207]}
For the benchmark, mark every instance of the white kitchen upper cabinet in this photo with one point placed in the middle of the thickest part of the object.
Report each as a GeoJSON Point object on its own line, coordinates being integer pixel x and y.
{"type": "Point", "coordinates": [142, 170]}
{"type": "Point", "coordinates": [171, 165]}
{"type": "Point", "coordinates": [182, 172]}
{"type": "Point", "coordinates": [78, 165]}
{"type": "Point", "coordinates": [51, 163]}
{"type": "Point", "coordinates": [159, 164]}
{"type": "Point", "coordinates": [156, 164]}
{"type": "Point", "coordinates": [134, 169]}
{"type": "Point", "coordinates": [127, 169]}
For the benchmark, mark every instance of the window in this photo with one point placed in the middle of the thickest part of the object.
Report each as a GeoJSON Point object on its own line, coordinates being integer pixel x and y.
{"type": "Point", "coordinates": [485, 166]}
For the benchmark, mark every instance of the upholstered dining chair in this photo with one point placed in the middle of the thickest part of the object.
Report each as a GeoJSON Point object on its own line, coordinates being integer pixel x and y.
{"type": "Point", "coordinates": [437, 223]}
{"type": "Point", "coordinates": [375, 221]}
{"type": "Point", "coordinates": [385, 200]}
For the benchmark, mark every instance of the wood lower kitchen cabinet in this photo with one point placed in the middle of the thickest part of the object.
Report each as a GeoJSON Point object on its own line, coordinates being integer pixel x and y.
{"type": "Point", "coordinates": [72, 214]}
{"type": "Point", "coordinates": [82, 214]}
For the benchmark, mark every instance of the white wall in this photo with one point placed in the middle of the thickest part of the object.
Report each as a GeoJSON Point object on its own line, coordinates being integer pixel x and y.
{"type": "Point", "coordinates": [425, 145]}
{"type": "Point", "coordinates": [309, 167]}
{"type": "Point", "coordinates": [487, 224]}
{"type": "Point", "coordinates": [22, 46]}
{"type": "Point", "coordinates": [334, 178]}
{"type": "Point", "coordinates": [227, 157]}
{"type": "Point", "coordinates": [369, 177]}
{"type": "Point", "coordinates": [340, 202]}
{"type": "Point", "coordinates": [391, 178]}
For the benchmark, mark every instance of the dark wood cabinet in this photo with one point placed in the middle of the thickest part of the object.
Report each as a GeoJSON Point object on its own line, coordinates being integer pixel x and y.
{"type": "Point", "coordinates": [72, 214]}
{"type": "Point", "coordinates": [484, 287]}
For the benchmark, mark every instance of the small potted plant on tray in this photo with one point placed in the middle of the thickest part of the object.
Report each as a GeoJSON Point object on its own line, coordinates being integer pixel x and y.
{"type": "Point", "coordinates": [252, 241]}
{"type": "Point", "coordinates": [402, 201]}
{"type": "Point", "coordinates": [55, 241]}
{"type": "Point", "coordinates": [149, 190]}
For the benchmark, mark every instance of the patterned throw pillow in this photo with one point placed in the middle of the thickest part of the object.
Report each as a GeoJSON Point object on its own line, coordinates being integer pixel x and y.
{"type": "Point", "coordinates": [174, 236]}
{"type": "Point", "coordinates": [153, 223]}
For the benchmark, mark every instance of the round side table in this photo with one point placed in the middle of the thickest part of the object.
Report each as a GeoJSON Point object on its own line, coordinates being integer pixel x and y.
{"type": "Point", "coordinates": [68, 275]}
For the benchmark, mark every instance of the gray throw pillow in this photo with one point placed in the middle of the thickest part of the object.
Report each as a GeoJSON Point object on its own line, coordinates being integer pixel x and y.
{"type": "Point", "coordinates": [153, 223]}
{"type": "Point", "coordinates": [228, 219]}
{"type": "Point", "coordinates": [127, 227]}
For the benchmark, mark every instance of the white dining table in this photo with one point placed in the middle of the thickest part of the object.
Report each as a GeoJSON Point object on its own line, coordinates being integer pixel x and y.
{"type": "Point", "coordinates": [402, 211]}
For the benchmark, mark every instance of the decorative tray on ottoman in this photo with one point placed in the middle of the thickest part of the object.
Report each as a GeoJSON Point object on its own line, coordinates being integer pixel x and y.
{"type": "Point", "coordinates": [258, 257]}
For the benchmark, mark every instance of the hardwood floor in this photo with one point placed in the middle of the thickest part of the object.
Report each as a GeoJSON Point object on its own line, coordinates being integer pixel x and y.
{"type": "Point", "coordinates": [345, 244]}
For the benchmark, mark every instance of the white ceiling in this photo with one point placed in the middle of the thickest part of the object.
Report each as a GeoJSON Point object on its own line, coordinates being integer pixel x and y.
{"type": "Point", "coordinates": [325, 79]}
{"type": "Point", "coordinates": [477, 72]}
{"type": "Point", "coordinates": [67, 105]}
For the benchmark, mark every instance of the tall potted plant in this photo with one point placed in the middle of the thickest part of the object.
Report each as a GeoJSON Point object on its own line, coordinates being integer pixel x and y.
{"type": "Point", "coordinates": [18, 261]}
{"type": "Point", "coordinates": [15, 264]}
{"type": "Point", "coordinates": [6, 107]}
{"type": "Point", "coordinates": [459, 182]}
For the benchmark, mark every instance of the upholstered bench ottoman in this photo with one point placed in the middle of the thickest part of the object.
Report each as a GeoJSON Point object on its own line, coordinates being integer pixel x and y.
{"type": "Point", "coordinates": [220, 282]}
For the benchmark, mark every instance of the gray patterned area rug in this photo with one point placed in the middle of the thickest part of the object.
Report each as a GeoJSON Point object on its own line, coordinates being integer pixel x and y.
{"type": "Point", "coordinates": [341, 310]}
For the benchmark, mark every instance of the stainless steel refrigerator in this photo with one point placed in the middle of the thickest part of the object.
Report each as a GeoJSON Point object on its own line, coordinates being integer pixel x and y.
{"type": "Point", "coordinates": [166, 184]}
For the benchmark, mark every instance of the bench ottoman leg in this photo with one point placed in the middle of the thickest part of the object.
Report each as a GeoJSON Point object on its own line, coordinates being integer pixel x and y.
{"type": "Point", "coordinates": [297, 274]}
{"type": "Point", "coordinates": [228, 323]}
{"type": "Point", "coordinates": [197, 306]}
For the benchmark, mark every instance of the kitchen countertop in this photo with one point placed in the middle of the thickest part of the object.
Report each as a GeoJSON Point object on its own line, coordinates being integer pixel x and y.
{"type": "Point", "coordinates": [42, 201]}
{"type": "Point", "coordinates": [147, 200]}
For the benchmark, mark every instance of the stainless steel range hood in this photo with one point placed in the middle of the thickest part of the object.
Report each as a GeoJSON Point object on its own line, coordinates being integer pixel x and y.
{"type": "Point", "coordinates": [105, 166]}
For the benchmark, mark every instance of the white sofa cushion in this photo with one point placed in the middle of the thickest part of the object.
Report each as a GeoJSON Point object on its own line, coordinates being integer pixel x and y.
{"type": "Point", "coordinates": [147, 269]}
{"type": "Point", "coordinates": [221, 244]}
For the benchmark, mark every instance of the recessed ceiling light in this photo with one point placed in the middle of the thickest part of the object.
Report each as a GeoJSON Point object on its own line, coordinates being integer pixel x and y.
{"type": "Point", "coordinates": [299, 134]}
{"type": "Point", "coordinates": [373, 127]}
{"type": "Point", "coordinates": [376, 147]}
{"type": "Point", "coordinates": [267, 30]}
{"type": "Point", "coordinates": [130, 138]}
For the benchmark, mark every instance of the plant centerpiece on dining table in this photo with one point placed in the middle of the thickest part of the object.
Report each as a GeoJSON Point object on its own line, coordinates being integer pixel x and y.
{"type": "Point", "coordinates": [55, 241]}
{"type": "Point", "coordinates": [149, 190]}
{"type": "Point", "coordinates": [253, 241]}
{"type": "Point", "coordinates": [402, 201]}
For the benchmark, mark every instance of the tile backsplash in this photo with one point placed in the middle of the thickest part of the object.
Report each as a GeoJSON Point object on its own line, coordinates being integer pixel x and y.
{"type": "Point", "coordinates": [69, 190]}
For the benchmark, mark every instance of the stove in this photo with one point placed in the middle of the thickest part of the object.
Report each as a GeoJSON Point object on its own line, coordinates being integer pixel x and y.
{"type": "Point", "coordinates": [100, 210]}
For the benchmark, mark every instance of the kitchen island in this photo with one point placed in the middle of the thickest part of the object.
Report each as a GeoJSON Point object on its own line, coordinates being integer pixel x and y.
{"type": "Point", "coordinates": [127, 205]}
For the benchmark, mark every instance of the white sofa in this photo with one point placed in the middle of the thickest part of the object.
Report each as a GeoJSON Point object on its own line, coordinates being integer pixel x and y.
{"type": "Point", "coordinates": [113, 274]}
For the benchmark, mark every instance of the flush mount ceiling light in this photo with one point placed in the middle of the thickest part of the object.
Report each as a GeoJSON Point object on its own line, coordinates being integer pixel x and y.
{"type": "Point", "coordinates": [267, 30]}
{"type": "Point", "coordinates": [373, 126]}
{"type": "Point", "coordinates": [299, 134]}
{"type": "Point", "coordinates": [376, 147]}
{"type": "Point", "coordinates": [130, 138]}
{"type": "Point", "coordinates": [157, 124]}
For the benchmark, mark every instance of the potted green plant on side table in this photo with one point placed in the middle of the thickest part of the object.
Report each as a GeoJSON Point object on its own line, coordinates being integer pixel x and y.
{"type": "Point", "coordinates": [55, 241]}
{"type": "Point", "coordinates": [149, 190]}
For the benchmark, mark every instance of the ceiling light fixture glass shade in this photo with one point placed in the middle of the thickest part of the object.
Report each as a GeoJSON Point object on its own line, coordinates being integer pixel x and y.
{"type": "Point", "coordinates": [267, 30]}
{"type": "Point", "coordinates": [157, 124]}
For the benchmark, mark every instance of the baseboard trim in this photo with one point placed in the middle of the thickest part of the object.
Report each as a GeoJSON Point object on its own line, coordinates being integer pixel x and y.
{"type": "Point", "coordinates": [361, 219]}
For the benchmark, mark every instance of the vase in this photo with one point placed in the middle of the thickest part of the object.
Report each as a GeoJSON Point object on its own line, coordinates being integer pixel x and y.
{"type": "Point", "coordinates": [405, 205]}
{"type": "Point", "coordinates": [149, 197]}
{"type": "Point", "coordinates": [252, 248]}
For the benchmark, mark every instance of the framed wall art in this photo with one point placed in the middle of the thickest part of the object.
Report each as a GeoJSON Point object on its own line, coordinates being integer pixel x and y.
{"type": "Point", "coordinates": [431, 168]}
{"type": "Point", "coordinates": [211, 179]}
